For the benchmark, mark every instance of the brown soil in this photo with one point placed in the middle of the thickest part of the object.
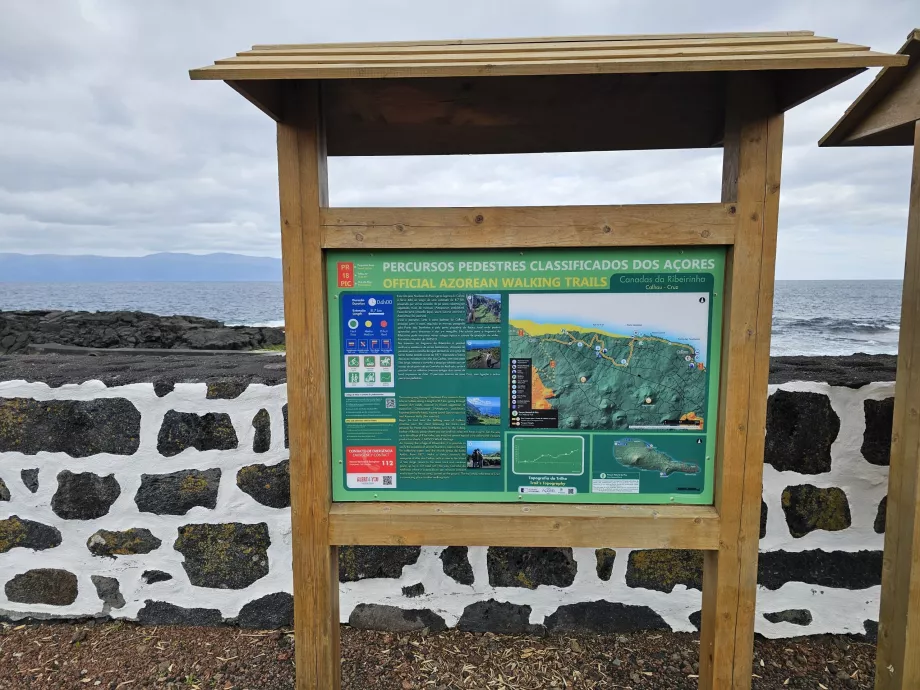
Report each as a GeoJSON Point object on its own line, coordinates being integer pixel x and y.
{"type": "Point", "coordinates": [125, 655]}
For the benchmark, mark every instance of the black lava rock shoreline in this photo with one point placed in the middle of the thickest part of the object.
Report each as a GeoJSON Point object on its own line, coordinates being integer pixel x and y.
{"type": "Point", "coordinates": [128, 329]}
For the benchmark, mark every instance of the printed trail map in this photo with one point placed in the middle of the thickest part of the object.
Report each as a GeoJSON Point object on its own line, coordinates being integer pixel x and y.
{"type": "Point", "coordinates": [602, 380]}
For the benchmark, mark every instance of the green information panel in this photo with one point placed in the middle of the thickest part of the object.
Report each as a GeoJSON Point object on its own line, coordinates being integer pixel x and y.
{"type": "Point", "coordinates": [570, 376]}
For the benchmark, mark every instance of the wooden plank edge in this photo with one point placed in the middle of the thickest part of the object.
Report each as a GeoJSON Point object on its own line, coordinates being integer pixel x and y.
{"type": "Point", "coordinates": [488, 529]}
{"type": "Point", "coordinates": [545, 46]}
{"type": "Point", "coordinates": [600, 53]}
{"type": "Point", "coordinates": [741, 63]}
{"type": "Point", "coordinates": [871, 96]}
{"type": "Point", "coordinates": [511, 238]}
{"type": "Point", "coordinates": [714, 213]}
{"type": "Point", "coordinates": [541, 39]}
{"type": "Point", "coordinates": [519, 227]}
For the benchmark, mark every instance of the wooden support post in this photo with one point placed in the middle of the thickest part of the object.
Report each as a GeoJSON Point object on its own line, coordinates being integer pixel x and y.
{"type": "Point", "coordinates": [898, 661]}
{"type": "Point", "coordinates": [303, 192]}
{"type": "Point", "coordinates": [751, 179]}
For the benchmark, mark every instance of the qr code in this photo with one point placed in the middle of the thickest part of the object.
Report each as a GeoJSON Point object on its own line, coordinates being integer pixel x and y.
{"type": "Point", "coordinates": [390, 403]}
{"type": "Point", "coordinates": [388, 480]}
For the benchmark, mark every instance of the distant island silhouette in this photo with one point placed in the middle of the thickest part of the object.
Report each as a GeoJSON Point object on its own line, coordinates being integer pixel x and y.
{"type": "Point", "coordinates": [162, 267]}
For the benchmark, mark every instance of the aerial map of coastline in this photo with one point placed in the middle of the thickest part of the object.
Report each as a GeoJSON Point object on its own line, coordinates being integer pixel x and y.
{"type": "Point", "coordinates": [614, 360]}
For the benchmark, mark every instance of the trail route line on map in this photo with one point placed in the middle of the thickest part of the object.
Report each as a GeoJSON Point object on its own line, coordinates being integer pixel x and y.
{"type": "Point", "coordinates": [611, 381]}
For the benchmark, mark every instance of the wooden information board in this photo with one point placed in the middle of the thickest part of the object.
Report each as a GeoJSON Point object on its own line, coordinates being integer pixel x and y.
{"type": "Point", "coordinates": [525, 96]}
{"type": "Point", "coordinates": [563, 376]}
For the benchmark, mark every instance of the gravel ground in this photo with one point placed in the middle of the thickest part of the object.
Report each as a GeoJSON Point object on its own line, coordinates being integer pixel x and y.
{"type": "Point", "coordinates": [125, 655]}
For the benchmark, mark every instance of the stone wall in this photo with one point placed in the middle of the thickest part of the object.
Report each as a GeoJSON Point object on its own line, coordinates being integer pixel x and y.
{"type": "Point", "coordinates": [168, 503]}
{"type": "Point", "coordinates": [128, 329]}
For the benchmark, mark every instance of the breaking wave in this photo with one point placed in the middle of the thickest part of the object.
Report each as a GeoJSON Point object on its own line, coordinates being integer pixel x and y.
{"type": "Point", "coordinates": [829, 325]}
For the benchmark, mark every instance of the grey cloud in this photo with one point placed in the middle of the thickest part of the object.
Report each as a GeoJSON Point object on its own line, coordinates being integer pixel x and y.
{"type": "Point", "coordinates": [109, 148]}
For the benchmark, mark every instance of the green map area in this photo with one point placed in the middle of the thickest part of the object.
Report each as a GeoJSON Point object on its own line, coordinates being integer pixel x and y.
{"type": "Point", "coordinates": [631, 380]}
{"type": "Point", "coordinates": [637, 454]}
{"type": "Point", "coordinates": [546, 454]}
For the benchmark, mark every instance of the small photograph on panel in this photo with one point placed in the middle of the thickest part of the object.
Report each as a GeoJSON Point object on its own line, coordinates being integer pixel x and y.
{"type": "Point", "coordinates": [483, 411]}
{"type": "Point", "coordinates": [483, 454]}
{"type": "Point", "coordinates": [482, 308]}
{"type": "Point", "coordinates": [483, 354]}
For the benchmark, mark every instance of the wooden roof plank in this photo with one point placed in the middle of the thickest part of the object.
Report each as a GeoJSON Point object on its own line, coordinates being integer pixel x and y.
{"type": "Point", "coordinates": [900, 106]}
{"type": "Point", "coordinates": [371, 49]}
{"type": "Point", "coordinates": [856, 119]}
{"type": "Point", "coordinates": [543, 39]}
{"type": "Point", "coordinates": [605, 54]}
{"type": "Point", "coordinates": [853, 59]}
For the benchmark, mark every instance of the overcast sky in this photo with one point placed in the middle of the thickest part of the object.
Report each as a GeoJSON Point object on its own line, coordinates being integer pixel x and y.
{"type": "Point", "coordinates": [106, 147]}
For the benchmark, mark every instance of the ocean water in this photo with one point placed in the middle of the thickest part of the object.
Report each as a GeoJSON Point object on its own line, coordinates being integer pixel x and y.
{"type": "Point", "coordinates": [826, 317]}
{"type": "Point", "coordinates": [836, 317]}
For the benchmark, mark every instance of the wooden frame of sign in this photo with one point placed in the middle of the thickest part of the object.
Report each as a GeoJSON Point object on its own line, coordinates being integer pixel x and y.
{"type": "Point", "coordinates": [887, 113]}
{"type": "Point", "coordinates": [530, 95]}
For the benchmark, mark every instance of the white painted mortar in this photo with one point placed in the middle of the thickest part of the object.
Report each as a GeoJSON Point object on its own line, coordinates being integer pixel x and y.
{"type": "Point", "coordinates": [834, 610]}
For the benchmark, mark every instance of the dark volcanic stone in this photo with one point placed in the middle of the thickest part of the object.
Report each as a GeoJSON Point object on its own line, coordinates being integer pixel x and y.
{"type": "Point", "coordinates": [79, 428]}
{"type": "Point", "coordinates": [800, 430]}
{"type": "Point", "coordinates": [84, 496]}
{"type": "Point", "coordinates": [881, 516]}
{"type": "Point", "coordinates": [696, 618]}
{"type": "Point", "coordinates": [128, 329]}
{"type": "Point", "coordinates": [181, 430]}
{"type": "Point", "coordinates": [43, 586]}
{"type": "Point", "coordinates": [107, 589]}
{"type": "Point", "coordinates": [129, 542]}
{"type": "Point", "coordinates": [851, 371]}
{"type": "Point", "coordinates": [604, 617]}
{"type": "Point", "coordinates": [284, 414]}
{"type": "Point", "coordinates": [871, 628]}
{"type": "Point", "coordinates": [498, 617]}
{"type": "Point", "coordinates": [4, 491]}
{"type": "Point", "coordinates": [511, 566]}
{"type": "Point", "coordinates": [412, 591]}
{"type": "Point", "coordinates": [876, 446]}
{"type": "Point", "coordinates": [30, 479]}
{"type": "Point", "coordinates": [226, 389]}
{"type": "Point", "coordinates": [456, 563]}
{"type": "Point", "coordinates": [391, 618]}
{"type": "Point", "coordinates": [271, 611]}
{"type": "Point", "coordinates": [794, 616]}
{"type": "Point", "coordinates": [26, 534]}
{"type": "Point", "coordinates": [270, 485]}
{"type": "Point", "coordinates": [163, 388]}
{"type": "Point", "coordinates": [661, 569]}
{"type": "Point", "coordinates": [843, 569]}
{"type": "Point", "coordinates": [808, 508]}
{"type": "Point", "coordinates": [605, 559]}
{"type": "Point", "coordinates": [763, 518]}
{"type": "Point", "coordinates": [364, 562]}
{"type": "Point", "coordinates": [262, 439]}
{"type": "Point", "coordinates": [122, 368]}
{"type": "Point", "coordinates": [178, 492]}
{"type": "Point", "coordinates": [162, 613]}
{"type": "Point", "coordinates": [226, 556]}
{"type": "Point", "coordinates": [151, 577]}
